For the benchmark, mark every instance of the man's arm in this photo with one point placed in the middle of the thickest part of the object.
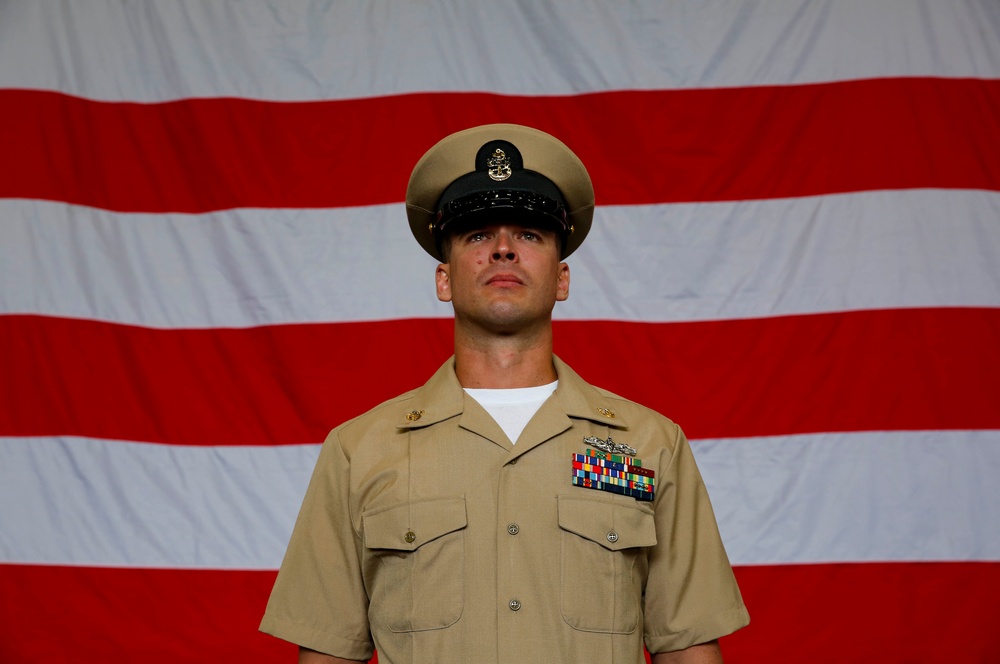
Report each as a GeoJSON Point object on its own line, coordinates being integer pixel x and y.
{"type": "Point", "coordinates": [307, 656]}
{"type": "Point", "coordinates": [703, 653]}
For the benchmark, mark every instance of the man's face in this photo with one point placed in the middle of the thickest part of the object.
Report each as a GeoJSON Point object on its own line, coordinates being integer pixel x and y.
{"type": "Point", "coordinates": [503, 277]}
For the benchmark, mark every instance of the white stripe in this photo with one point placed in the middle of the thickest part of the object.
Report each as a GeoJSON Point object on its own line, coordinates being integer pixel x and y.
{"type": "Point", "coordinates": [227, 269]}
{"type": "Point", "coordinates": [657, 263]}
{"type": "Point", "coordinates": [154, 51]}
{"type": "Point", "coordinates": [861, 497]}
{"type": "Point", "coordinates": [96, 502]}
{"type": "Point", "coordinates": [899, 496]}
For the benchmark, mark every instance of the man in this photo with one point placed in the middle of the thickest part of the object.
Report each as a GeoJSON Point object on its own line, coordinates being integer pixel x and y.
{"type": "Point", "coordinates": [506, 511]}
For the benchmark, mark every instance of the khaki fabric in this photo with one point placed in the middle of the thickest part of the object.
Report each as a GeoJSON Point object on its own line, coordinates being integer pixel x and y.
{"type": "Point", "coordinates": [424, 532]}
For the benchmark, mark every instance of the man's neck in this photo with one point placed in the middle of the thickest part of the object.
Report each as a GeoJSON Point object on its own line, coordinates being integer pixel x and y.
{"type": "Point", "coordinates": [504, 362]}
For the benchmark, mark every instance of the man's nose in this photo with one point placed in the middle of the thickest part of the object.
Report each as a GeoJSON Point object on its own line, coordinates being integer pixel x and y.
{"type": "Point", "coordinates": [504, 247]}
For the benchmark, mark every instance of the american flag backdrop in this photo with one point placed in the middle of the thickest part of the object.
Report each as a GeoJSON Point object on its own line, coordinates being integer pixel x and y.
{"type": "Point", "coordinates": [205, 265]}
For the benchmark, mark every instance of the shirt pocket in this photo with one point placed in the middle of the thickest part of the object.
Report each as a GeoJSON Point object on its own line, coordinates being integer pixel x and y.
{"type": "Point", "coordinates": [604, 564]}
{"type": "Point", "coordinates": [417, 582]}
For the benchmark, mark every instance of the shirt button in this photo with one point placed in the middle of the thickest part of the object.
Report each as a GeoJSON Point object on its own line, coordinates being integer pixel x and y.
{"type": "Point", "coordinates": [513, 529]}
{"type": "Point", "coordinates": [409, 537]}
{"type": "Point", "coordinates": [514, 605]}
{"type": "Point", "coordinates": [612, 537]}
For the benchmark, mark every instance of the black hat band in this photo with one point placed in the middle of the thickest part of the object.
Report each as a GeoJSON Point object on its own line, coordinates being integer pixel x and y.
{"type": "Point", "coordinates": [526, 203]}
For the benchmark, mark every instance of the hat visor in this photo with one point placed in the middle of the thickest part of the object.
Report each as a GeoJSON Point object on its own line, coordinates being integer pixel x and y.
{"type": "Point", "coordinates": [515, 205]}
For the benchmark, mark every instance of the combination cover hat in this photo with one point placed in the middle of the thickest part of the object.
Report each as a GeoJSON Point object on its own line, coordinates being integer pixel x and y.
{"type": "Point", "coordinates": [508, 171]}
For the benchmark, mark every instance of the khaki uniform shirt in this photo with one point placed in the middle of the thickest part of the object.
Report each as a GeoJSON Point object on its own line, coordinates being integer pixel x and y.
{"type": "Point", "coordinates": [426, 533]}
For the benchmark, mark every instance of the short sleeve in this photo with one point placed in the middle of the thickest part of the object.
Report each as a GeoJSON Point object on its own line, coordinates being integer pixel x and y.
{"type": "Point", "coordinates": [319, 600]}
{"type": "Point", "coordinates": [691, 593]}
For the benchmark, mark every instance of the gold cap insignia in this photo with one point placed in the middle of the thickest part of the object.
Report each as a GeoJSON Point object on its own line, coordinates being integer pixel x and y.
{"type": "Point", "coordinates": [498, 166]}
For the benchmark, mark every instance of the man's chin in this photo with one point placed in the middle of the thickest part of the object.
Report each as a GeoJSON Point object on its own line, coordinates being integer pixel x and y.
{"type": "Point", "coordinates": [507, 319]}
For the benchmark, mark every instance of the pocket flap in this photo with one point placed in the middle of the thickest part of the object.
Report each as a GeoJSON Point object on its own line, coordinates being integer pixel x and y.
{"type": "Point", "coordinates": [408, 526]}
{"type": "Point", "coordinates": [613, 525]}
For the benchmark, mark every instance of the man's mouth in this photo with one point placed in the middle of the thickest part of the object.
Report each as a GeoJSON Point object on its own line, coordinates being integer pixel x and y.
{"type": "Point", "coordinates": [503, 279]}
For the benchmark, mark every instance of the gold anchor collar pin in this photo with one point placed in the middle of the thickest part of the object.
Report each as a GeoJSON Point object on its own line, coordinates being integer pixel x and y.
{"type": "Point", "coordinates": [413, 417]}
{"type": "Point", "coordinates": [416, 417]}
{"type": "Point", "coordinates": [602, 413]}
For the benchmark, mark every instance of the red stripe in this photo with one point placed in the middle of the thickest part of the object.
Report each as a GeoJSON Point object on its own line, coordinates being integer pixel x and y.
{"type": "Point", "coordinates": [655, 146]}
{"type": "Point", "coordinates": [889, 612]}
{"type": "Point", "coordinates": [63, 614]}
{"type": "Point", "coordinates": [893, 612]}
{"type": "Point", "coordinates": [872, 370]}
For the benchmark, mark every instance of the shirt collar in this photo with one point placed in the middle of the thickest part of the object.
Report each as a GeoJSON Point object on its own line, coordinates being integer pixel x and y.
{"type": "Point", "coordinates": [442, 398]}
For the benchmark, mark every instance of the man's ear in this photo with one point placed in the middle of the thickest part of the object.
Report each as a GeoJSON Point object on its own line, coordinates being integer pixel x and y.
{"type": "Point", "coordinates": [562, 283]}
{"type": "Point", "coordinates": [442, 282]}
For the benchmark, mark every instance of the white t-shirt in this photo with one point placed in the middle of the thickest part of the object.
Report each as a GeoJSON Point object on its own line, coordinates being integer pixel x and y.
{"type": "Point", "coordinates": [513, 409]}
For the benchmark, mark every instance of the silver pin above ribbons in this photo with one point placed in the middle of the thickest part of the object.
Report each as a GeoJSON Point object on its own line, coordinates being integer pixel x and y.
{"type": "Point", "coordinates": [610, 446]}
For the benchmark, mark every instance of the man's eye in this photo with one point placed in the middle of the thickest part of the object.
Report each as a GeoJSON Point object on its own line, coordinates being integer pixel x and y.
{"type": "Point", "coordinates": [476, 237]}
